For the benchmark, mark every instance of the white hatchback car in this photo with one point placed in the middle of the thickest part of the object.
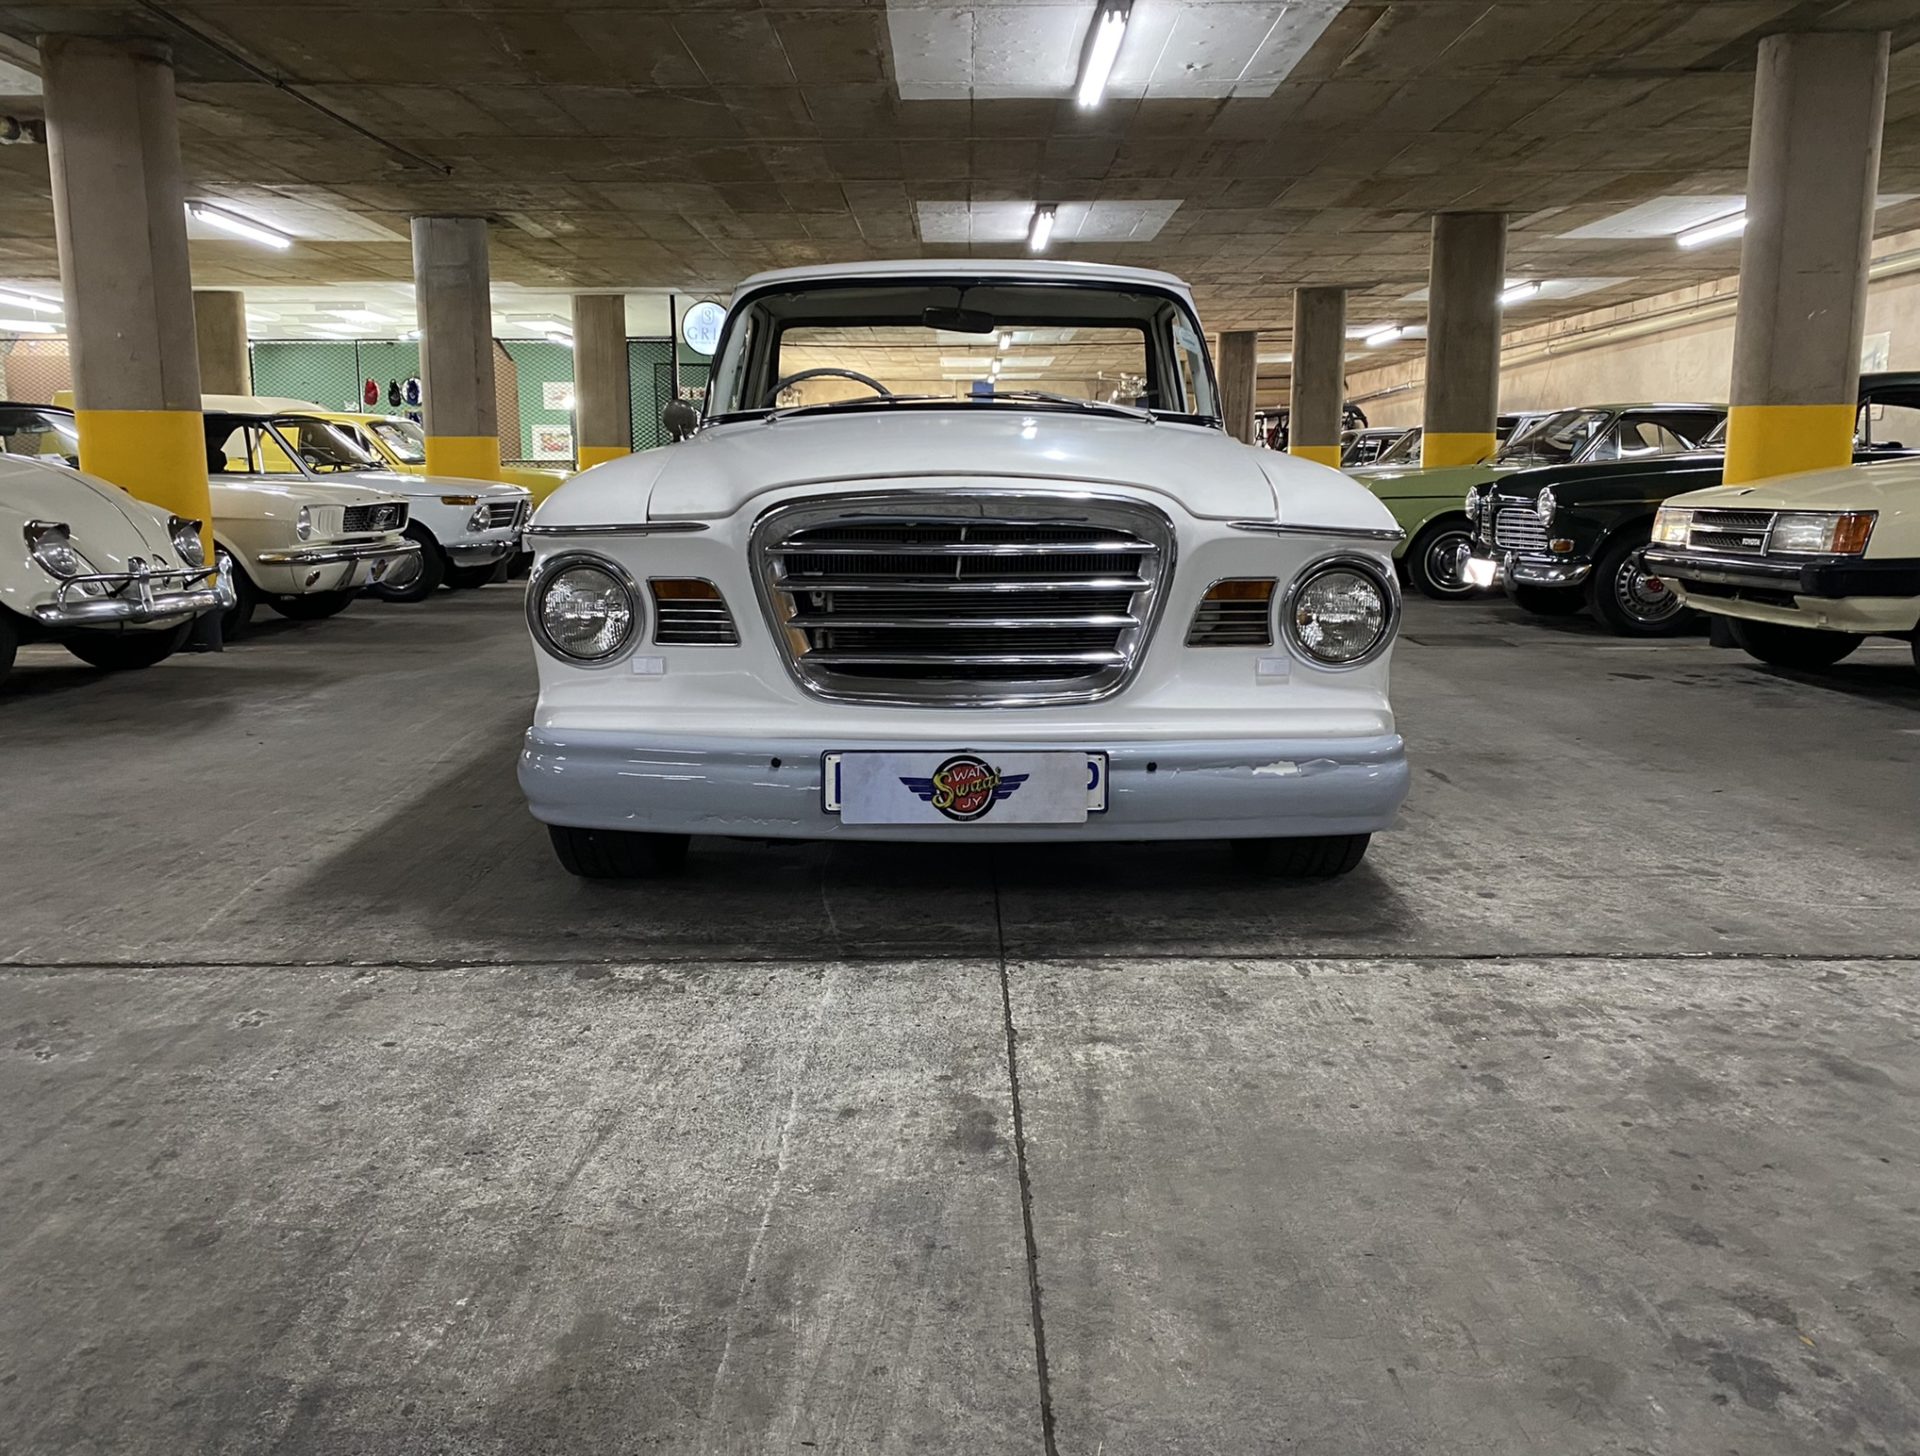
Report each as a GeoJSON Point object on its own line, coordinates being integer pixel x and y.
{"type": "Point", "coordinates": [962, 553]}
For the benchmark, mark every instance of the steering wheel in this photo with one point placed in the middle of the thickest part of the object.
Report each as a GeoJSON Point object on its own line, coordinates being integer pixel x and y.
{"type": "Point", "coordinates": [858, 378]}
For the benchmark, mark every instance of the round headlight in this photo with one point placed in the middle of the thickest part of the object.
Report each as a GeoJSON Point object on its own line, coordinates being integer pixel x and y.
{"type": "Point", "coordinates": [1544, 504]}
{"type": "Point", "coordinates": [478, 520]}
{"type": "Point", "coordinates": [186, 540]}
{"type": "Point", "coordinates": [1474, 499]}
{"type": "Point", "coordinates": [1340, 615]}
{"type": "Point", "coordinates": [586, 612]}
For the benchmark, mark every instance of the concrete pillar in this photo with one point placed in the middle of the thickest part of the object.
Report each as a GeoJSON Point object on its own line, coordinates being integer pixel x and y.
{"type": "Point", "coordinates": [602, 391]}
{"type": "Point", "coordinates": [452, 290]}
{"type": "Point", "coordinates": [220, 328]}
{"type": "Point", "coordinates": [1239, 379]}
{"type": "Point", "coordinates": [119, 215]}
{"type": "Point", "coordinates": [1319, 374]}
{"type": "Point", "coordinates": [1818, 100]}
{"type": "Point", "coordinates": [1465, 274]}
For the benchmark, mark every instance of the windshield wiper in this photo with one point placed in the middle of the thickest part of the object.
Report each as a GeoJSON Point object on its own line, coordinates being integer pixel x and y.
{"type": "Point", "coordinates": [861, 402]}
{"type": "Point", "coordinates": [1042, 395]}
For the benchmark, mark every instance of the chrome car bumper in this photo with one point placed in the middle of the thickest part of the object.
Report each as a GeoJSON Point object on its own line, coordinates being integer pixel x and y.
{"type": "Point", "coordinates": [371, 551]}
{"type": "Point", "coordinates": [1483, 569]}
{"type": "Point", "coordinates": [146, 604]}
{"type": "Point", "coordinates": [770, 788]}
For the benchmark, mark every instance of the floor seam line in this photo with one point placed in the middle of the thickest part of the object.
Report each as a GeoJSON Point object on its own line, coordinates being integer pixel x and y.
{"type": "Point", "coordinates": [1036, 1319]}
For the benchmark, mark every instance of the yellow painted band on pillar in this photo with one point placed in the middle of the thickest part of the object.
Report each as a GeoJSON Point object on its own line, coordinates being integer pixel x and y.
{"type": "Point", "coordinates": [1441, 448]}
{"type": "Point", "coordinates": [158, 456]}
{"type": "Point", "coordinates": [592, 455]}
{"type": "Point", "coordinates": [473, 457]}
{"type": "Point", "coordinates": [1319, 454]}
{"type": "Point", "coordinates": [1785, 439]}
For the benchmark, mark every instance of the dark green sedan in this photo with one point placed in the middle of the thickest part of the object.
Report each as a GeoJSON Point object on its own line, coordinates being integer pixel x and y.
{"type": "Point", "coordinates": [1567, 537]}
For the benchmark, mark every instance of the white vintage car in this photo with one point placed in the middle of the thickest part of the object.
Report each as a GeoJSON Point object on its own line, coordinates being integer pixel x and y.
{"type": "Point", "coordinates": [111, 579]}
{"type": "Point", "coordinates": [1804, 567]}
{"type": "Point", "coordinates": [962, 553]}
{"type": "Point", "coordinates": [303, 547]}
{"type": "Point", "coordinates": [465, 529]}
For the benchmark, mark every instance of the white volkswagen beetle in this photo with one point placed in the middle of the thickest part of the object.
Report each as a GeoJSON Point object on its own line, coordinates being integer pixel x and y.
{"type": "Point", "coordinates": [962, 553]}
{"type": "Point", "coordinates": [111, 579]}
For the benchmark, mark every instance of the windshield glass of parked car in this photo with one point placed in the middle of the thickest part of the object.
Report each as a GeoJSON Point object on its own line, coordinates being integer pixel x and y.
{"type": "Point", "coordinates": [942, 344]}
{"type": "Point", "coordinates": [1403, 451]}
{"type": "Point", "coordinates": [40, 437]}
{"type": "Point", "coordinates": [404, 438]}
{"type": "Point", "coordinates": [1558, 439]}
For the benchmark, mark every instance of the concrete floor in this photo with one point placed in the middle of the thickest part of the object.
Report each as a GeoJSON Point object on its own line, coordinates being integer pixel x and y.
{"type": "Point", "coordinates": [339, 1119]}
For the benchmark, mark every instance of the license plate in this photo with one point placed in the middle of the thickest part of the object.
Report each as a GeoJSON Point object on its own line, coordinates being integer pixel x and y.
{"type": "Point", "coordinates": [963, 787]}
{"type": "Point", "coordinates": [1479, 571]}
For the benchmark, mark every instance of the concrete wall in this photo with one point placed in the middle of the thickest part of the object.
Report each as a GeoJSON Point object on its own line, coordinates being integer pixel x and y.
{"type": "Point", "coordinates": [1691, 359]}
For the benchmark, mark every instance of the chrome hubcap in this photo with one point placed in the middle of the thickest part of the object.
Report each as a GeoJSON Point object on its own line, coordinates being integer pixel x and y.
{"type": "Point", "coordinates": [1446, 561]}
{"type": "Point", "coordinates": [1641, 594]}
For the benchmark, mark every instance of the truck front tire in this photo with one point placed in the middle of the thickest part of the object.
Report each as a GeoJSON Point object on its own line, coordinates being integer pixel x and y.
{"type": "Point", "coordinates": [617, 854]}
{"type": "Point", "coordinates": [1318, 857]}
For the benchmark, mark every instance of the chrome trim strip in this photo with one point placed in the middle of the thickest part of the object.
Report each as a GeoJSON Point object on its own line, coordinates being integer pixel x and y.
{"type": "Point", "coordinates": [1342, 533]}
{"type": "Point", "coordinates": [625, 528]}
{"type": "Point", "coordinates": [329, 555]}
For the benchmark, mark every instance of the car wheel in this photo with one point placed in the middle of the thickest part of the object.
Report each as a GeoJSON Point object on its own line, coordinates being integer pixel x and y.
{"type": "Point", "coordinates": [617, 854]}
{"type": "Point", "coordinates": [9, 644]}
{"type": "Point", "coordinates": [1547, 601]}
{"type": "Point", "coordinates": [127, 651]}
{"type": "Point", "coordinates": [1805, 648]}
{"type": "Point", "coordinates": [313, 606]}
{"type": "Point", "coordinates": [1630, 599]}
{"type": "Point", "coordinates": [466, 578]}
{"type": "Point", "coordinates": [1319, 857]}
{"type": "Point", "coordinates": [424, 583]}
{"type": "Point", "coordinates": [1433, 560]}
{"type": "Point", "coordinates": [246, 597]}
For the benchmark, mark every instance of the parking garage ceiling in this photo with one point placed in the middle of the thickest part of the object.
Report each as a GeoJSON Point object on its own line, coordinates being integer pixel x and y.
{"type": "Point", "coordinates": [1251, 148]}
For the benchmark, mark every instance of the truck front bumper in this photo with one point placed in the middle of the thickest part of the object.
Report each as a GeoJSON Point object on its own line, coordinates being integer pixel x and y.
{"type": "Point", "coordinates": [770, 788]}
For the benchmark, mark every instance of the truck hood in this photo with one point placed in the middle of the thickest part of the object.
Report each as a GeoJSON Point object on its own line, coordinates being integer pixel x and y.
{"type": "Point", "coordinates": [726, 468]}
{"type": "Point", "coordinates": [1893, 489]}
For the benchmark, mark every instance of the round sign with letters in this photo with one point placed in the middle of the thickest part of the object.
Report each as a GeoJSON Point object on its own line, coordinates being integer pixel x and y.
{"type": "Point", "coordinates": [700, 326]}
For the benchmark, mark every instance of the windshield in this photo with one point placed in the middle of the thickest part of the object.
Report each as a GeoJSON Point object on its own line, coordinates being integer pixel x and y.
{"type": "Point", "coordinates": [1716, 437]}
{"type": "Point", "coordinates": [323, 445]}
{"type": "Point", "coordinates": [1403, 451]}
{"type": "Point", "coordinates": [863, 344]}
{"type": "Point", "coordinates": [1557, 439]}
{"type": "Point", "coordinates": [40, 437]}
{"type": "Point", "coordinates": [404, 438]}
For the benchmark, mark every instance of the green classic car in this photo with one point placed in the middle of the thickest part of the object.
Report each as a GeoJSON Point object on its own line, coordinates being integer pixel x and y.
{"type": "Point", "coordinates": [1429, 504]}
{"type": "Point", "coordinates": [1571, 537]}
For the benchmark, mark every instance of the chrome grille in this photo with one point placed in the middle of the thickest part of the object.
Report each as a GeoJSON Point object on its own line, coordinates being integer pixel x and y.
{"type": "Point", "coordinates": [1519, 528]}
{"type": "Point", "coordinates": [389, 516]}
{"type": "Point", "coordinates": [1730, 533]}
{"type": "Point", "coordinates": [505, 513]}
{"type": "Point", "coordinates": [985, 599]}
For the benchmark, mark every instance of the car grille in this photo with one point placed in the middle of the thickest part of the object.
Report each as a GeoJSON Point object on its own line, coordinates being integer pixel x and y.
{"type": "Point", "coordinates": [505, 513]}
{"type": "Point", "coordinates": [1730, 533]}
{"type": "Point", "coordinates": [1002, 600]}
{"type": "Point", "coordinates": [1519, 528]}
{"type": "Point", "coordinates": [359, 520]}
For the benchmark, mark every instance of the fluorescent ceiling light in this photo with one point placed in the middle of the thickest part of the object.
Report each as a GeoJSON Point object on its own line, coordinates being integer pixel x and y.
{"type": "Point", "coordinates": [20, 299]}
{"type": "Point", "coordinates": [1712, 232]}
{"type": "Point", "coordinates": [27, 326]}
{"type": "Point", "coordinates": [240, 227]}
{"type": "Point", "coordinates": [1103, 49]}
{"type": "Point", "coordinates": [361, 316]}
{"type": "Point", "coordinates": [1384, 336]}
{"type": "Point", "coordinates": [1006, 342]}
{"type": "Point", "coordinates": [554, 336]}
{"type": "Point", "coordinates": [1041, 228]}
{"type": "Point", "coordinates": [1275, 359]}
{"type": "Point", "coordinates": [1515, 292]}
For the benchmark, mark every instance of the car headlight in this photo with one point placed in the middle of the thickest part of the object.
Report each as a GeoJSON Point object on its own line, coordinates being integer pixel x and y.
{"type": "Point", "coordinates": [1476, 498]}
{"type": "Point", "coordinates": [1822, 533]}
{"type": "Point", "coordinates": [50, 543]}
{"type": "Point", "coordinates": [303, 524]}
{"type": "Point", "coordinates": [1340, 613]}
{"type": "Point", "coordinates": [1670, 526]}
{"type": "Point", "coordinates": [186, 540]}
{"type": "Point", "coordinates": [585, 610]}
{"type": "Point", "coordinates": [1544, 505]}
{"type": "Point", "coordinates": [478, 520]}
